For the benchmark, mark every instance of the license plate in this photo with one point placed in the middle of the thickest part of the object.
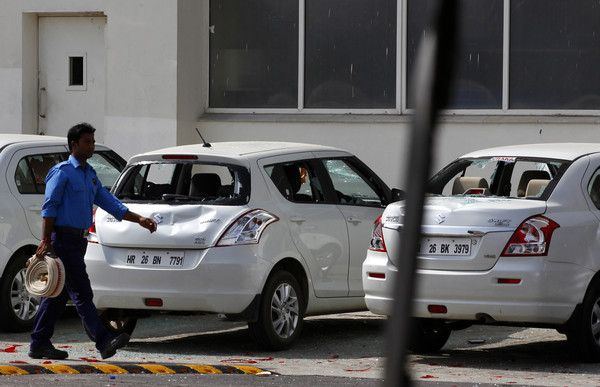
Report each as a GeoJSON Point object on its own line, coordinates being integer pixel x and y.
{"type": "Point", "coordinates": [155, 258]}
{"type": "Point", "coordinates": [445, 246]}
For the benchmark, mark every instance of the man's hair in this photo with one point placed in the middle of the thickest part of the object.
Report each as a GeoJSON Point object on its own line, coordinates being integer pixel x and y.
{"type": "Point", "coordinates": [76, 131]}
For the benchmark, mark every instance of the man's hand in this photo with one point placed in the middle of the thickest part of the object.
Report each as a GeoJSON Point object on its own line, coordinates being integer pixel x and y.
{"type": "Point", "coordinates": [148, 223]}
{"type": "Point", "coordinates": [43, 249]}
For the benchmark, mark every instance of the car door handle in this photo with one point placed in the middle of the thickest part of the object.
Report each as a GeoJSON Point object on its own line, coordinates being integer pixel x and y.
{"type": "Point", "coordinates": [297, 219]}
{"type": "Point", "coordinates": [352, 219]}
{"type": "Point", "coordinates": [35, 208]}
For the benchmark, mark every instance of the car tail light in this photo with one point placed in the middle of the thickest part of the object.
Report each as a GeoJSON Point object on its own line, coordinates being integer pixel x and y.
{"type": "Point", "coordinates": [531, 238]}
{"type": "Point", "coordinates": [180, 157]}
{"type": "Point", "coordinates": [92, 237]}
{"type": "Point", "coordinates": [247, 229]}
{"type": "Point", "coordinates": [377, 242]}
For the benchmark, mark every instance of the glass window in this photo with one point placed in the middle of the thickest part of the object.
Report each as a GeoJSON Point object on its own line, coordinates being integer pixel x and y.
{"type": "Point", "coordinates": [108, 166]}
{"type": "Point", "coordinates": [498, 176]}
{"type": "Point", "coordinates": [349, 184]}
{"type": "Point", "coordinates": [254, 53]}
{"type": "Point", "coordinates": [296, 181]}
{"type": "Point", "coordinates": [31, 172]}
{"type": "Point", "coordinates": [350, 54]}
{"type": "Point", "coordinates": [185, 182]}
{"type": "Point", "coordinates": [594, 188]}
{"type": "Point", "coordinates": [555, 54]}
{"type": "Point", "coordinates": [477, 77]}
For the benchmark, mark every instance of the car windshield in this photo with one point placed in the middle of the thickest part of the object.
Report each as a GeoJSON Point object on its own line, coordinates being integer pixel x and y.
{"type": "Point", "coordinates": [514, 177]}
{"type": "Point", "coordinates": [181, 182]}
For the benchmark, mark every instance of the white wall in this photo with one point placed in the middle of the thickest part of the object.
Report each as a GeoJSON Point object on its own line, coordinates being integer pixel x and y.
{"type": "Point", "coordinates": [382, 143]}
{"type": "Point", "coordinates": [141, 82]}
{"type": "Point", "coordinates": [141, 37]}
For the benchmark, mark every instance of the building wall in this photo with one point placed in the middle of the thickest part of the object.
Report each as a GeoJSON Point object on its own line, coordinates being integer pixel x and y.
{"type": "Point", "coordinates": [157, 86]}
{"type": "Point", "coordinates": [382, 142]}
{"type": "Point", "coordinates": [141, 107]}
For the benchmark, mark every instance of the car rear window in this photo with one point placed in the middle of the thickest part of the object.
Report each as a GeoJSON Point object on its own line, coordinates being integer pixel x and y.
{"type": "Point", "coordinates": [506, 176]}
{"type": "Point", "coordinates": [181, 182]}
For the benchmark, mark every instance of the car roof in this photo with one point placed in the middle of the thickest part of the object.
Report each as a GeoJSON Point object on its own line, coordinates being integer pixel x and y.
{"type": "Point", "coordinates": [561, 151]}
{"type": "Point", "coordinates": [7, 139]}
{"type": "Point", "coordinates": [236, 149]}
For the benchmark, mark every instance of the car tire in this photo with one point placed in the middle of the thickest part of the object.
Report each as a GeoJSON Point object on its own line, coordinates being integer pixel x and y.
{"type": "Point", "coordinates": [17, 306]}
{"type": "Point", "coordinates": [116, 321]}
{"type": "Point", "coordinates": [428, 335]}
{"type": "Point", "coordinates": [584, 335]}
{"type": "Point", "coordinates": [281, 313]}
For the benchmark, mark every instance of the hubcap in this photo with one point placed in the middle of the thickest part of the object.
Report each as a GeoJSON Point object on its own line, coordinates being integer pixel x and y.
{"type": "Point", "coordinates": [24, 304]}
{"type": "Point", "coordinates": [595, 321]}
{"type": "Point", "coordinates": [285, 310]}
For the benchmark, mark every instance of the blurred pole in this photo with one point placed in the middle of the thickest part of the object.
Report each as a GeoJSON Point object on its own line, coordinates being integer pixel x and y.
{"type": "Point", "coordinates": [432, 72]}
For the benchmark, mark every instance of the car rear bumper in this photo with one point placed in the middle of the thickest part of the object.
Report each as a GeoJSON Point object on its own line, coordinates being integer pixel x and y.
{"type": "Point", "coordinates": [221, 280]}
{"type": "Point", "coordinates": [515, 290]}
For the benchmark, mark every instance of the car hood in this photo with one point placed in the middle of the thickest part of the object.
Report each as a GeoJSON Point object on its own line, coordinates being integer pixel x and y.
{"type": "Point", "coordinates": [485, 223]}
{"type": "Point", "coordinates": [182, 226]}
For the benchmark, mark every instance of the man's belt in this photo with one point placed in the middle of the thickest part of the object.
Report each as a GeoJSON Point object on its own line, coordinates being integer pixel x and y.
{"type": "Point", "coordinates": [82, 233]}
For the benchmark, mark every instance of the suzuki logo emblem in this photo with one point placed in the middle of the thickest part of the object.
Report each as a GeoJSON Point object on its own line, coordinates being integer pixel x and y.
{"type": "Point", "coordinates": [440, 218]}
{"type": "Point", "coordinates": [158, 218]}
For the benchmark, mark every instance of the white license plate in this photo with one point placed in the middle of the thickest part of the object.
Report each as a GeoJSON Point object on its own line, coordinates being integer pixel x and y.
{"type": "Point", "coordinates": [445, 246]}
{"type": "Point", "coordinates": [155, 258]}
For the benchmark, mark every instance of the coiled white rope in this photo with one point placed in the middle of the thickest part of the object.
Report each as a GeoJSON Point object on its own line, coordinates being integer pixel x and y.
{"type": "Point", "coordinates": [45, 277]}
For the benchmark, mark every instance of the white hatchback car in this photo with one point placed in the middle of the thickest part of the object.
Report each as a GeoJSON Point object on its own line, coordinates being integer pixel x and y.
{"type": "Point", "coordinates": [264, 232]}
{"type": "Point", "coordinates": [510, 235]}
{"type": "Point", "coordinates": [24, 161]}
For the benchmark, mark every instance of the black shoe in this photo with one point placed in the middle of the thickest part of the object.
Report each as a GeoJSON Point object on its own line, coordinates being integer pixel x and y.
{"type": "Point", "coordinates": [113, 344]}
{"type": "Point", "coordinates": [48, 353]}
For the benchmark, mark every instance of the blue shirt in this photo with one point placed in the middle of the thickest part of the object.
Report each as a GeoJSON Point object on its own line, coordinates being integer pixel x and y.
{"type": "Point", "coordinates": [72, 191]}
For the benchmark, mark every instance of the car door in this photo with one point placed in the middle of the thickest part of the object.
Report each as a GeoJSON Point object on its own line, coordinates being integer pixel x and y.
{"type": "Point", "coordinates": [29, 166]}
{"type": "Point", "coordinates": [25, 175]}
{"type": "Point", "coordinates": [318, 228]}
{"type": "Point", "coordinates": [361, 198]}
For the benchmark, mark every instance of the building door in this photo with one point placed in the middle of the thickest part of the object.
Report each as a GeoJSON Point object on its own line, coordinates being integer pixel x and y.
{"type": "Point", "coordinates": [72, 63]}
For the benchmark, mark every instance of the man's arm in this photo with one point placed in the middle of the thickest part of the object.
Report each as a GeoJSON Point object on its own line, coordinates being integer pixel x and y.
{"type": "Point", "coordinates": [148, 223]}
{"type": "Point", "coordinates": [45, 247]}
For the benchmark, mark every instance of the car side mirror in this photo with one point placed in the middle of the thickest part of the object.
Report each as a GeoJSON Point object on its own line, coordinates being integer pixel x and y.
{"type": "Point", "coordinates": [397, 194]}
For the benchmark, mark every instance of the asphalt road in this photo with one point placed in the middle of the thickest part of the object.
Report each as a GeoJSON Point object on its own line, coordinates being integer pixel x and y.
{"type": "Point", "coordinates": [343, 349]}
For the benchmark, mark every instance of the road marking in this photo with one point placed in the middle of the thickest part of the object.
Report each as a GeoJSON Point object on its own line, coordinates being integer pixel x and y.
{"type": "Point", "coordinates": [32, 369]}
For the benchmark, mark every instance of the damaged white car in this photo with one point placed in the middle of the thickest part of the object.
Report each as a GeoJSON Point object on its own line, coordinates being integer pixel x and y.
{"type": "Point", "coordinates": [510, 235]}
{"type": "Point", "coordinates": [264, 232]}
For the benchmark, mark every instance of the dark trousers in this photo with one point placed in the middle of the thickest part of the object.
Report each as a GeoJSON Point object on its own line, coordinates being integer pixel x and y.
{"type": "Point", "coordinates": [70, 249]}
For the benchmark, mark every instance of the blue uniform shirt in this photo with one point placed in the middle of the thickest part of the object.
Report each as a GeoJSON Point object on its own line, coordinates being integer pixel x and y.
{"type": "Point", "coordinates": [71, 192]}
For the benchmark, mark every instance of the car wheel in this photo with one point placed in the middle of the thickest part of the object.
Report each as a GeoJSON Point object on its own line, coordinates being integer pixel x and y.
{"type": "Point", "coordinates": [281, 313]}
{"type": "Point", "coordinates": [428, 335]}
{"type": "Point", "coordinates": [116, 321]}
{"type": "Point", "coordinates": [584, 336]}
{"type": "Point", "coordinates": [17, 306]}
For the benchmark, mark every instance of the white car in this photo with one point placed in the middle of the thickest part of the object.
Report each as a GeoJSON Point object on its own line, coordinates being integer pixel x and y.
{"type": "Point", "coordinates": [510, 235]}
{"type": "Point", "coordinates": [265, 232]}
{"type": "Point", "coordinates": [24, 161]}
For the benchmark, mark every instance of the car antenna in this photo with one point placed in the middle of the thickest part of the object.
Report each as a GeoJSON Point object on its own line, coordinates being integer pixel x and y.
{"type": "Point", "coordinates": [205, 144]}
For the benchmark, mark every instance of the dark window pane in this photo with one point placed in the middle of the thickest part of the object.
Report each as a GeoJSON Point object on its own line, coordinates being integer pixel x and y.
{"type": "Point", "coordinates": [555, 54]}
{"type": "Point", "coordinates": [477, 77]}
{"type": "Point", "coordinates": [75, 71]}
{"type": "Point", "coordinates": [350, 54]}
{"type": "Point", "coordinates": [254, 53]}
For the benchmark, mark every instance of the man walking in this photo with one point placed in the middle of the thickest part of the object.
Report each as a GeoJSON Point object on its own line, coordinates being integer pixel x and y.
{"type": "Point", "coordinates": [72, 189]}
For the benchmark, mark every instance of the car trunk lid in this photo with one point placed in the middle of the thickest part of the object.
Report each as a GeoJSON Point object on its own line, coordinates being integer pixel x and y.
{"type": "Point", "coordinates": [461, 233]}
{"type": "Point", "coordinates": [184, 226]}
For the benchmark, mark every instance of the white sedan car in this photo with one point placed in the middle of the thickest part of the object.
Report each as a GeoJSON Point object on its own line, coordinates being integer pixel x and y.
{"type": "Point", "coordinates": [510, 235]}
{"type": "Point", "coordinates": [24, 161]}
{"type": "Point", "coordinates": [264, 232]}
